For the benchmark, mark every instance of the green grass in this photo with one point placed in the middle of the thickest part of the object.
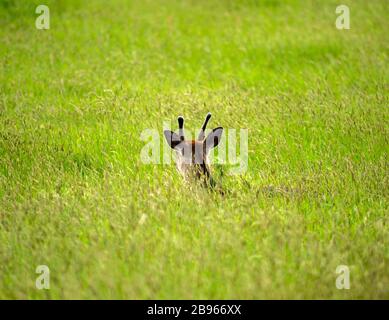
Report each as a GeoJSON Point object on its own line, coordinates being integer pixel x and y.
{"type": "Point", "coordinates": [74, 100]}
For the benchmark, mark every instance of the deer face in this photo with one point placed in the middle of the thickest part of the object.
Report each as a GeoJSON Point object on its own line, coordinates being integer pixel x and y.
{"type": "Point", "coordinates": [192, 155]}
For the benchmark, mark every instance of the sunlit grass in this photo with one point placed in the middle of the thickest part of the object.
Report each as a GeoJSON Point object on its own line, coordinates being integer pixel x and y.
{"type": "Point", "coordinates": [75, 196]}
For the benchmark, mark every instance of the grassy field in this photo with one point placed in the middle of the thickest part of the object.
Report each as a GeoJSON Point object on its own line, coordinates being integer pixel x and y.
{"type": "Point", "coordinates": [75, 196]}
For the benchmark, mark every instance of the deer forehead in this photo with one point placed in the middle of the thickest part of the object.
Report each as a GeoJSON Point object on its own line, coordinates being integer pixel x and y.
{"type": "Point", "coordinates": [194, 150]}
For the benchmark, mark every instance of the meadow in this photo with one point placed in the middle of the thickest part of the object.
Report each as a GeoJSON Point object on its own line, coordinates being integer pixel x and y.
{"type": "Point", "coordinates": [75, 195]}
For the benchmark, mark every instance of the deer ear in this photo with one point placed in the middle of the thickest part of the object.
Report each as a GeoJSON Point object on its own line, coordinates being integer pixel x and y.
{"type": "Point", "coordinates": [172, 138]}
{"type": "Point", "coordinates": [213, 139]}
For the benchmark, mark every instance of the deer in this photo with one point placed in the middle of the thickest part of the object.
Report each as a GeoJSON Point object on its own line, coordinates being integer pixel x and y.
{"type": "Point", "coordinates": [192, 159]}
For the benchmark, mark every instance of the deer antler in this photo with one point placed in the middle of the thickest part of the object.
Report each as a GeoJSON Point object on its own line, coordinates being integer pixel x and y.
{"type": "Point", "coordinates": [201, 135]}
{"type": "Point", "coordinates": [181, 128]}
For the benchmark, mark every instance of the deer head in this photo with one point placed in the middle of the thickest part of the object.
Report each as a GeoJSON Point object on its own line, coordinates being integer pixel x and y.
{"type": "Point", "coordinates": [192, 155]}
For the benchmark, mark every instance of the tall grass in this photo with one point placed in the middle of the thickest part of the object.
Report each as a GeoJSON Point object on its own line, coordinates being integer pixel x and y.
{"type": "Point", "coordinates": [75, 196]}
